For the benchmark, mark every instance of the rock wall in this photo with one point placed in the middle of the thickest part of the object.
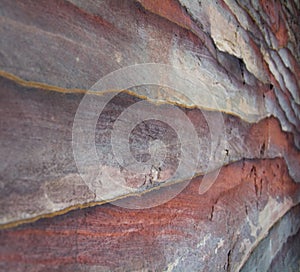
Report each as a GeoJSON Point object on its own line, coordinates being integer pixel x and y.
{"type": "Point", "coordinates": [184, 115]}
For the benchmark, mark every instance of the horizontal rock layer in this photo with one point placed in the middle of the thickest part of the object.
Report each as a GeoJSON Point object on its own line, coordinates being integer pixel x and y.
{"type": "Point", "coordinates": [39, 174]}
{"type": "Point", "coordinates": [182, 88]}
{"type": "Point", "coordinates": [99, 42]}
{"type": "Point", "coordinates": [215, 231]}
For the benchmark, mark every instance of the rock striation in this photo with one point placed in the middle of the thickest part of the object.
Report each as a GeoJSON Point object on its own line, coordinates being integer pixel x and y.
{"type": "Point", "coordinates": [187, 108]}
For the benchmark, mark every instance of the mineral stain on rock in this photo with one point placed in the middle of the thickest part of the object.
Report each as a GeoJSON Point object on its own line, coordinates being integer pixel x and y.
{"type": "Point", "coordinates": [246, 56]}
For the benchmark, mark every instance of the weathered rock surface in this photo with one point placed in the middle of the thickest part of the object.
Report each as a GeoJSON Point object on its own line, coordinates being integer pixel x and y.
{"type": "Point", "coordinates": [39, 174]}
{"type": "Point", "coordinates": [225, 94]}
{"type": "Point", "coordinates": [216, 231]}
{"type": "Point", "coordinates": [279, 251]}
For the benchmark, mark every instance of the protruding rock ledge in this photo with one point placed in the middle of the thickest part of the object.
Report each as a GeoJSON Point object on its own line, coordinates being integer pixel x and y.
{"type": "Point", "coordinates": [37, 138]}
{"type": "Point", "coordinates": [192, 232]}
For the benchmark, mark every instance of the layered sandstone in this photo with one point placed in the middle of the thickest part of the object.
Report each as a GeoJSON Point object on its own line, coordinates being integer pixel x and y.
{"type": "Point", "coordinates": [92, 91]}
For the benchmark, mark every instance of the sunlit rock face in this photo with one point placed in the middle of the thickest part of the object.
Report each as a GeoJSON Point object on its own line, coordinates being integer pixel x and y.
{"type": "Point", "coordinates": [183, 114]}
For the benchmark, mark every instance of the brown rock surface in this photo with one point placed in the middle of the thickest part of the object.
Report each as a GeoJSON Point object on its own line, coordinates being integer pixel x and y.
{"type": "Point", "coordinates": [212, 232]}
{"type": "Point", "coordinates": [39, 173]}
{"type": "Point", "coordinates": [209, 86]}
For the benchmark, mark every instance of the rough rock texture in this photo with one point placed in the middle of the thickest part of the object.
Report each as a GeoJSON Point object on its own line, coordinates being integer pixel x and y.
{"type": "Point", "coordinates": [216, 231]}
{"type": "Point", "coordinates": [225, 94]}
{"type": "Point", "coordinates": [280, 250]}
{"type": "Point", "coordinates": [36, 180]}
